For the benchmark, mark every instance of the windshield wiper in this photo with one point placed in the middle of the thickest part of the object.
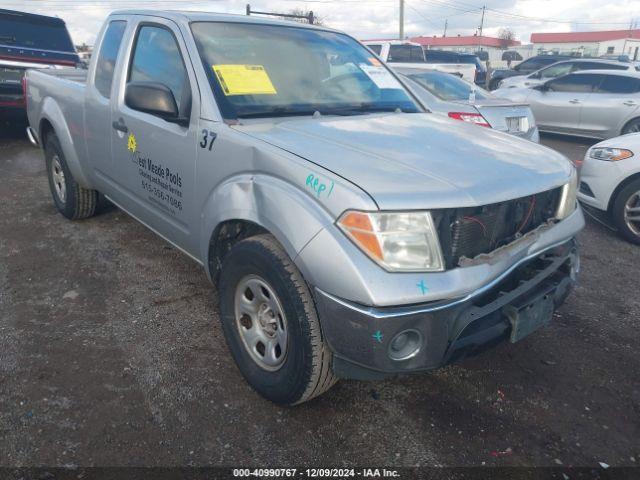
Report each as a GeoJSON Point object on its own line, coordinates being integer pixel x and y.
{"type": "Point", "coordinates": [277, 112]}
{"type": "Point", "coordinates": [360, 109]}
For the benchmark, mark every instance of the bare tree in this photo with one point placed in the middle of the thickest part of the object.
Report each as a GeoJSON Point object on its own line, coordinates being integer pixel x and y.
{"type": "Point", "coordinates": [304, 13]}
{"type": "Point", "coordinates": [506, 37]}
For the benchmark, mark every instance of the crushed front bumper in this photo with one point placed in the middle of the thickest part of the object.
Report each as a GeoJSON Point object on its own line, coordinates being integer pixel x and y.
{"type": "Point", "coordinates": [360, 337]}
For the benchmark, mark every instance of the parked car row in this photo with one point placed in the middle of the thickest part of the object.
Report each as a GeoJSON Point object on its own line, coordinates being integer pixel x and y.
{"type": "Point", "coordinates": [352, 232]}
{"type": "Point", "coordinates": [589, 103]}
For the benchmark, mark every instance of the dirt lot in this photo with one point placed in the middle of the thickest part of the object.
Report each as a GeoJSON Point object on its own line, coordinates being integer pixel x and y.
{"type": "Point", "coordinates": [111, 354]}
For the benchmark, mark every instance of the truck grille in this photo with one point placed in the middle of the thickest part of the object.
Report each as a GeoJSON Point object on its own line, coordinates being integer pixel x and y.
{"type": "Point", "coordinates": [468, 232]}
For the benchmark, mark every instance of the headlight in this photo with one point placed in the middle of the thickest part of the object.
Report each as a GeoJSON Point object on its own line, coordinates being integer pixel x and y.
{"type": "Point", "coordinates": [397, 241]}
{"type": "Point", "coordinates": [568, 202]}
{"type": "Point", "coordinates": [610, 154]}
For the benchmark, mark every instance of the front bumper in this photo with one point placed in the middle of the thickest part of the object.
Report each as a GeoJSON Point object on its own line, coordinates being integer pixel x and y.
{"type": "Point", "coordinates": [360, 336]}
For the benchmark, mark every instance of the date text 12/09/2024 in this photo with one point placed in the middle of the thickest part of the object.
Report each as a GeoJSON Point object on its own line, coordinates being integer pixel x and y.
{"type": "Point", "coordinates": [316, 472]}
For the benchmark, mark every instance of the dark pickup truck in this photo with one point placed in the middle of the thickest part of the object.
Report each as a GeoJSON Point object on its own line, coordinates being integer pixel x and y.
{"type": "Point", "coordinates": [29, 41]}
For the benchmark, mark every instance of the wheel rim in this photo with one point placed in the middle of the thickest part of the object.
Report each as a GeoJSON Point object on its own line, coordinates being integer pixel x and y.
{"type": "Point", "coordinates": [57, 175]}
{"type": "Point", "coordinates": [632, 213]}
{"type": "Point", "coordinates": [261, 322]}
{"type": "Point", "coordinates": [633, 128]}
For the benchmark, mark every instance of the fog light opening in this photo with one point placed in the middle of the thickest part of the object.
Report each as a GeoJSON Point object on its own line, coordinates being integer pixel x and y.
{"type": "Point", "coordinates": [405, 345]}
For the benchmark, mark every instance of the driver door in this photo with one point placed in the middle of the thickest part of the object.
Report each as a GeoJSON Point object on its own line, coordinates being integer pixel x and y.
{"type": "Point", "coordinates": [154, 159]}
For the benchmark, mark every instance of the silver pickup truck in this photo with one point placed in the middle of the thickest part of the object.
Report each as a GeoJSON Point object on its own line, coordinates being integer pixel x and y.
{"type": "Point", "coordinates": [350, 233]}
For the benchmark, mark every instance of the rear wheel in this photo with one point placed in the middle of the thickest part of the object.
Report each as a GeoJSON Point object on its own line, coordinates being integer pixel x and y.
{"type": "Point", "coordinates": [632, 127]}
{"type": "Point", "coordinates": [72, 200]}
{"type": "Point", "coordinates": [626, 212]}
{"type": "Point", "coordinates": [270, 323]}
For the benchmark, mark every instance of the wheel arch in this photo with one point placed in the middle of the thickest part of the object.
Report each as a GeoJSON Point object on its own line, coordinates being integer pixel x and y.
{"type": "Point", "coordinates": [619, 188]}
{"type": "Point", "coordinates": [633, 119]}
{"type": "Point", "coordinates": [247, 205]}
{"type": "Point", "coordinates": [53, 120]}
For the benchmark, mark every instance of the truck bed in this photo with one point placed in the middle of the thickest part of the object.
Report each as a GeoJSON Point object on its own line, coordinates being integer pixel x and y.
{"type": "Point", "coordinates": [77, 75]}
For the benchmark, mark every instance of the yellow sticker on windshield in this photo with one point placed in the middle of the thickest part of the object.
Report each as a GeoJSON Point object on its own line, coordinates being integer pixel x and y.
{"type": "Point", "coordinates": [244, 80]}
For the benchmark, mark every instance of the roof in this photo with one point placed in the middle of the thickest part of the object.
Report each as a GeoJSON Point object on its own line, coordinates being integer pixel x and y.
{"type": "Point", "coordinates": [571, 37]}
{"type": "Point", "coordinates": [474, 40]}
{"type": "Point", "coordinates": [32, 17]}
{"type": "Point", "coordinates": [196, 16]}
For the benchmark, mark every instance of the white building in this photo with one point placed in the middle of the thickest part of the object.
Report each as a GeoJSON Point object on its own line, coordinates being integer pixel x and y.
{"type": "Point", "coordinates": [592, 44]}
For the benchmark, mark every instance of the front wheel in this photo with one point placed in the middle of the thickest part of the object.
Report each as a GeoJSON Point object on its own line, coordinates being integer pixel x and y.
{"type": "Point", "coordinates": [626, 212]}
{"type": "Point", "coordinates": [270, 323]}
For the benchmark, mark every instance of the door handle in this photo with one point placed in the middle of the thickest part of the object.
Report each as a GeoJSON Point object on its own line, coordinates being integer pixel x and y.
{"type": "Point", "coordinates": [120, 126]}
{"type": "Point", "coordinates": [574, 101]}
{"type": "Point", "coordinates": [629, 103]}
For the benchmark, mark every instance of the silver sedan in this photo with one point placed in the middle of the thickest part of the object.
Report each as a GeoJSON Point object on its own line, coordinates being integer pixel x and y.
{"type": "Point", "coordinates": [451, 96]}
{"type": "Point", "coordinates": [591, 103]}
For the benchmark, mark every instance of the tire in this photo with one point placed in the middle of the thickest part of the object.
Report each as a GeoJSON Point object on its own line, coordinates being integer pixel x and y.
{"type": "Point", "coordinates": [632, 126]}
{"type": "Point", "coordinates": [72, 200]}
{"type": "Point", "coordinates": [628, 197]}
{"type": "Point", "coordinates": [304, 368]}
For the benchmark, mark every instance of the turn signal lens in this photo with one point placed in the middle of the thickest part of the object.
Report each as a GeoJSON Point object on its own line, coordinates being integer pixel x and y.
{"type": "Point", "coordinates": [398, 241]}
{"type": "Point", "coordinates": [610, 154]}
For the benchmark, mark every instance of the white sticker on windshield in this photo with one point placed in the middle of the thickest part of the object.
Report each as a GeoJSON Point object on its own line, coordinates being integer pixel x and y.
{"type": "Point", "coordinates": [380, 76]}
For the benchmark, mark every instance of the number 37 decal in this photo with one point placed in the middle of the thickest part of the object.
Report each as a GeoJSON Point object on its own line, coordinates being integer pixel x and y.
{"type": "Point", "coordinates": [207, 139]}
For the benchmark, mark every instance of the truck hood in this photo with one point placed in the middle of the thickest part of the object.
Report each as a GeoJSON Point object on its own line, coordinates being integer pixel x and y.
{"type": "Point", "coordinates": [419, 160]}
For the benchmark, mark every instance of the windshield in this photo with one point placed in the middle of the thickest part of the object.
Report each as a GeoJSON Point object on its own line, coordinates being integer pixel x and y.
{"type": "Point", "coordinates": [259, 70]}
{"type": "Point", "coordinates": [17, 31]}
{"type": "Point", "coordinates": [448, 87]}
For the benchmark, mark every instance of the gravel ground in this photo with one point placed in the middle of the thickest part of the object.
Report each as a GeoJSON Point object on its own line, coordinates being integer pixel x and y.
{"type": "Point", "coordinates": [111, 354]}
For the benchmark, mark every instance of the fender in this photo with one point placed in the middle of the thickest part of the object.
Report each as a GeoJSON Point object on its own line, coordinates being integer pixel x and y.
{"type": "Point", "coordinates": [288, 213]}
{"type": "Point", "coordinates": [54, 115]}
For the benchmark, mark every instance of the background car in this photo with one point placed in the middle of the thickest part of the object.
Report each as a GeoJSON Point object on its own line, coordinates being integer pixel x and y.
{"type": "Point", "coordinates": [590, 103]}
{"type": "Point", "coordinates": [446, 94]}
{"type": "Point", "coordinates": [442, 56]}
{"type": "Point", "coordinates": [526, 67]}
{"type": "Point", "coordinates": [562, 68]}
{"type": "Point", "coordinates": [29, 41]}
{"type": "Point", "coordinates": [610, 183]}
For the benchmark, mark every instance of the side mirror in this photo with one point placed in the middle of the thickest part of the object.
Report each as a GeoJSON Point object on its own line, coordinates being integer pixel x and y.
{"type": "Point", "coordinates": [154, 98]}
{"type": "Point", "coordinates": [543, 87]}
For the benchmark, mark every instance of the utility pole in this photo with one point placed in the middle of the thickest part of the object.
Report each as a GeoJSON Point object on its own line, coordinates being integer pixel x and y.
{"type": "Point", "coordinates": [401, 19]}
{"type": "Point", "coordinates": [482, 20]}
{"type": "Point", "coordinates": [445, 28]}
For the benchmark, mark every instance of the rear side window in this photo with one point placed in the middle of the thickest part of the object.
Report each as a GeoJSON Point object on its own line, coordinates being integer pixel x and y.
{"type": "Point", "coordinates": [575, 83]}
{"type": "Point", "coordinates": [406, 53]}
{"type": "Point", "coordinates": [619, 84]}
{"type": "Point", "coordinates": [34, 31]}
{"type": "Point", "coordinates": [375, 49]}
{"type": "Point", "coordinates": [157, 58]}
{"type": "Point", "coordinates": [439, 56]}
{"type": "Point", "coordinates": [108, 56]}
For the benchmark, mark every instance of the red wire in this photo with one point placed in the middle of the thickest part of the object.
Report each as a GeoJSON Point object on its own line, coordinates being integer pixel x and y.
{"type": "Point", "coordinates": [531, 205]}
{"type": "Point", "coordinates": [474, 219]}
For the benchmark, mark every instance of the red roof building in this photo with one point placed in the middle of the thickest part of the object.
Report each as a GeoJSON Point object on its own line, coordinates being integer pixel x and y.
{"type": "Point", "coordinates": [604, 42]}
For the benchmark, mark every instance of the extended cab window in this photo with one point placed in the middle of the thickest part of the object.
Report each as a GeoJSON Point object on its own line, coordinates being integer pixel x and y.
{"type": "Point", "coordinates": [107, 57]}
{"type": "Point", "coordinates": [157, 58]}
{"type": "Point", "coordinates": [585, 83]}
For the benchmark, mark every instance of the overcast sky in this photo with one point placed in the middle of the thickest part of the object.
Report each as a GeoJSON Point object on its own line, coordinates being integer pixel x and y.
{"type": "Point", "coordinates": [375, 18]}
